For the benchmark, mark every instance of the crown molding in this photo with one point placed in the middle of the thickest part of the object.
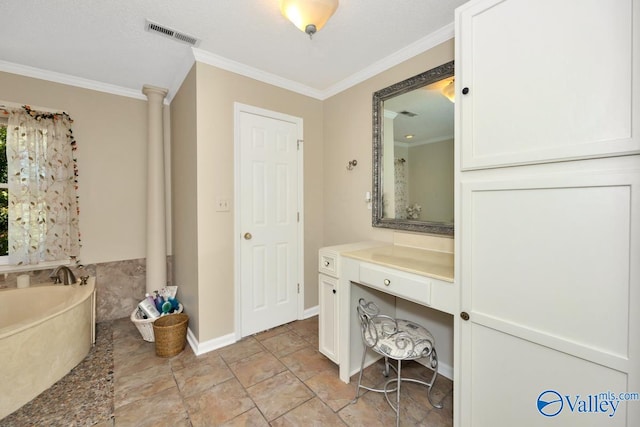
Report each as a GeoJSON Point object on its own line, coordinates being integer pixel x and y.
{"type": "Point", "coordinates": [416, 48]}
{"type": "Point", "coordinates": [437, 37]}
{"type": "Point", "coordinates": [254, 73]}
{"type": "Point", "coordinates": [428, 42]}
{"type": "Point", "coordinates": [52, 76]}
{"type": "Point", "coordinates": [423, 142]}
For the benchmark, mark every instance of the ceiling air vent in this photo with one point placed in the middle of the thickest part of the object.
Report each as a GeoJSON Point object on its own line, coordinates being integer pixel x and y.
{"type": "Point", "coordinates": [407, 113]}
{"type": "Point", "coordinates": [153, 27]}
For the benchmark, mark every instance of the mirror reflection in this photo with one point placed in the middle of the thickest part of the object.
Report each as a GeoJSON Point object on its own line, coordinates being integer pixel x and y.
{"type": "Point", "coordinates": [413, 153]}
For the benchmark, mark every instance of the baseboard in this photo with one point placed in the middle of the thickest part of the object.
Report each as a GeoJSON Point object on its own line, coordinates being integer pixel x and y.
{"type": "Point", "coordinates": [207, 346]}
{"type": "Point", "coordinates": [443, 369]}
{"type": "Point", "coordinates": [310, 312]}
{"type": "Point", "coordinates": [216, 343]}
{"type": "Point", "coordinates": [200, 348]}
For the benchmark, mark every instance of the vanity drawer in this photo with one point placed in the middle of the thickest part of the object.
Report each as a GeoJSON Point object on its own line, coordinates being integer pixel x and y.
{"type": "Point", "coordinates": [328, 263]}
{"type": "Point", "coordinates": [405, 285]}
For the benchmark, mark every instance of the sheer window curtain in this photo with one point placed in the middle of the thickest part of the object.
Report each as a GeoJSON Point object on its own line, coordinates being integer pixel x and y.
{"type": "Point", "coordinates": [42, 173]}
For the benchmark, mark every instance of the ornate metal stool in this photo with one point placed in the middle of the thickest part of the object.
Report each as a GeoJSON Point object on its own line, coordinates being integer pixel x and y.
{"type": "Point", "coordinates": [399, 340]}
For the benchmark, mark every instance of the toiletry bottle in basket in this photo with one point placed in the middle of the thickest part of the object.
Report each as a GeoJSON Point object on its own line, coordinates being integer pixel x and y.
{"type": "Point", "coordinates": [150, 298]}
{"type": "Point", "coordinates": [148, 309]}
{"type": "Point", "coordinates": [159, 301]}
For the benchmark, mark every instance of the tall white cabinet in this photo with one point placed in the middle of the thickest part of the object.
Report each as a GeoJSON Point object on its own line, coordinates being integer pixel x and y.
{"type": "Point", "coordinates": [548, 212]}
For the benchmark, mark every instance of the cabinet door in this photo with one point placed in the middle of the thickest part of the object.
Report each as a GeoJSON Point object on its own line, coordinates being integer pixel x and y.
{"type": "Point", "coordinates": [328, 317]}
{"type": "Point", "coordinates": [547, 80]}
{"type": "Point", "coordinates": [550, 277]}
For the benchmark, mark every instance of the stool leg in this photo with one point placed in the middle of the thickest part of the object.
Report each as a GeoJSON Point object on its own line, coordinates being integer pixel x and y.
{"type": "Point", "coordinates": [434, 365]}
{"type": "Point", "coordinates": [398, 380]}
{"type": "Point", "coordinates": [364, 353]}
{"type": "Point", "coordinates": [398, 393]}
{"type": "Point", "coordinates": [386, 367]}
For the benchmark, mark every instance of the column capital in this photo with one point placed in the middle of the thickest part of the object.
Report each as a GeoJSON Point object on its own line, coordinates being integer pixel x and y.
{"type": "Point", "coordinates": [154, 90]}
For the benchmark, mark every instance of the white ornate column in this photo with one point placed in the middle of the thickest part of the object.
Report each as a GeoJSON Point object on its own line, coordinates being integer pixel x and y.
{"type": "Point", "coordinates": [156, 237]}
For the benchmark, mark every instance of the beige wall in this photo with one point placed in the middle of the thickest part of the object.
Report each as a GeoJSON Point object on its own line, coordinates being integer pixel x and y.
{"type": "Point", "coordinates": [216, 92]}
{"type": "Point", "coordinates": [431, 165]}
{"type": "Point", "coordinates": [111, 132]}
{"type": "Point", "coordinates": [347, 136]}
{"type": "Point", "coordinates": [184, 183]}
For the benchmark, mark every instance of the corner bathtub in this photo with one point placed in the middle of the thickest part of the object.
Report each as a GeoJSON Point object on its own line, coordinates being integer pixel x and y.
{"type": "Point", "coordinates": [45, 331]}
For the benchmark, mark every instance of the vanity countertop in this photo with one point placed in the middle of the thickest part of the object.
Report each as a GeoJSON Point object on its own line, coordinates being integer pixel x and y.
{"type": "Point", "coordinates": [438, 265]}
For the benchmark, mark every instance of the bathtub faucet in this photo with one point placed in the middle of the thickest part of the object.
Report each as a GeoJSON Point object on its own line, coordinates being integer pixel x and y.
{"type": "Point", "coordinates": [67, 275]}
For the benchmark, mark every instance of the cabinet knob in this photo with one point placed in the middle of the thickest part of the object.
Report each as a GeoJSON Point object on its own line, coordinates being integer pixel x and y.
{"type": "Point", "coordinates": [326, 263]}
{"type": "Point", "coordinates": [464, 315]}
{"type": "Point", "coordinates": [465, 90]}
{"type": "Point", "coordinates": [334, 291]}
{"type": "Point", "coordinates": [387, 282]}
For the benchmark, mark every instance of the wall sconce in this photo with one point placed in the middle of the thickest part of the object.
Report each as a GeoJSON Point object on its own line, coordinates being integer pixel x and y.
{"type": "Point", "coordinates": [351, 164]}
{"type": "Point", "coordinates": [308, 15]}
{"type": "Point", "coordinates": [450, 91]}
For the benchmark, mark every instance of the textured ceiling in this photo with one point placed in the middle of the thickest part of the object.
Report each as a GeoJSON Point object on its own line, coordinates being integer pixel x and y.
{"type": "Point", "coordinates": [105, 41]}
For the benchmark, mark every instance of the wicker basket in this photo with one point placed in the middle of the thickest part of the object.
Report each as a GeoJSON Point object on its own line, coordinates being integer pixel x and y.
{"type": "Point", "coordinates": [171, 334]}
{"type": "Point", "coordinates": [145, 326]}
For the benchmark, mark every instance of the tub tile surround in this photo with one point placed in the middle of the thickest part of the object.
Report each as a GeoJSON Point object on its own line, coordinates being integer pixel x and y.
{"type": "Point", "coordinates": [9, 280]}
{"type": "Point", "coordinates": [120, 285]}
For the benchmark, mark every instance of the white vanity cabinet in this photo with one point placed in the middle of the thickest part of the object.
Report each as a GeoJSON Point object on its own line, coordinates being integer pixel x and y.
{"type": "Point", "coordinates": [547, 212]}
{"type": "Point", "coordinates": [328, 317]}
{"type": "Point", "coordinates": [408, 286]}
{"type": "Point", "coordinates": [329, 263]}
{"type": "Point", "coordinates": [328, 304]}
{"type": "Point", "coordinates": [410, 282]}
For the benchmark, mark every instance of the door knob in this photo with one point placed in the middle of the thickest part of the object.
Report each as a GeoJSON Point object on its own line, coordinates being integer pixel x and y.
{"type": "Point", "coordinates": [247, 236]}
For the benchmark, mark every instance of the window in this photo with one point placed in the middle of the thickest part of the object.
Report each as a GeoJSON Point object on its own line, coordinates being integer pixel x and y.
{"type": "Point", "coordinates": [38, 189]}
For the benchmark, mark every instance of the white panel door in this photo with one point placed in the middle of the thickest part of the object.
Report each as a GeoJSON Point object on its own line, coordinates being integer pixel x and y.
{"type": "Point", "coordinates": [551, 284]}
{"type": "Point", "coordinates": [547, 80]}
{"type": "Point", "coordinates": [268, 221]}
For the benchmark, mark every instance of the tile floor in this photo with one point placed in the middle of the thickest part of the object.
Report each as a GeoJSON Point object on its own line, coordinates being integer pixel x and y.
{"type": "Point", "coordinates": [275, 378]}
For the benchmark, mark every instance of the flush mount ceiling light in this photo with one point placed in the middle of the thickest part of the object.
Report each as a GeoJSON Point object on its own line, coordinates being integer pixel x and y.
{"type": "Point", "coordinates": [308, 15]}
